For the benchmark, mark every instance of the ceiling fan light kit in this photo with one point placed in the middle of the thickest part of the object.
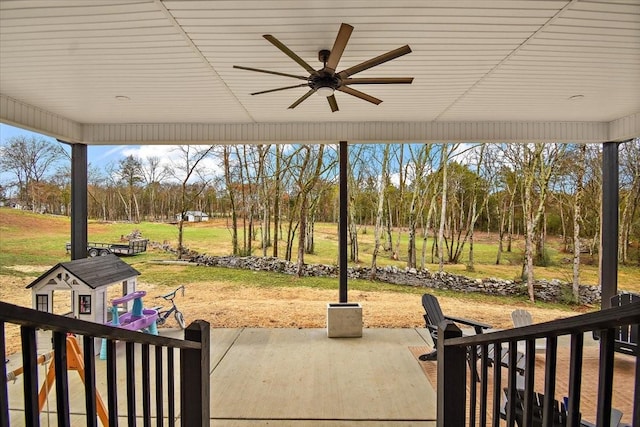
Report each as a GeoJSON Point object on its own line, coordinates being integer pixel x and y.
{"type": "Point", "coordinates": [326, 81]}
{"type": "Point", "coordinates": [325, 91]}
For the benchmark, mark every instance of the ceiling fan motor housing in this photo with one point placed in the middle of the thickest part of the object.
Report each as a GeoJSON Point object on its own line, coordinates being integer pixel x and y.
{"type": "Point", "coordinates": [323, 79]}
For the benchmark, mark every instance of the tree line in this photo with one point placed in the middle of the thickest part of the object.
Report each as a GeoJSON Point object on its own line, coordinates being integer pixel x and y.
{"type": "Point", "coordinates": [438, 195]}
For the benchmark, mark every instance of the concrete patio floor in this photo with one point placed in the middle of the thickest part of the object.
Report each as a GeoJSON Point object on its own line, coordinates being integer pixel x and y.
{"type": "Point", "coordinates": [291, 377]}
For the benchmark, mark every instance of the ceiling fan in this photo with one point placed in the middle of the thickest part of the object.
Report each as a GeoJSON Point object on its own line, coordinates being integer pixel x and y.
{"type": "Point", "coordinates": [326, 80]}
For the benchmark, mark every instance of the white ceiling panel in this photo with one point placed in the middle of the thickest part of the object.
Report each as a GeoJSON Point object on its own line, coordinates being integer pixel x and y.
{"type": "Point", "coordinates": [94, 65]}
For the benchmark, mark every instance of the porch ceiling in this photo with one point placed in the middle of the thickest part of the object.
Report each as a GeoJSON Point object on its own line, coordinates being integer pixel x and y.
{"type": "Point", "coordinates": [485, 70]}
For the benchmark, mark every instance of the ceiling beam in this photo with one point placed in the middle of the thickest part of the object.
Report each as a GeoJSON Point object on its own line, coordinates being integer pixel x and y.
{"type": "Point", "coordinates": [26, 116]}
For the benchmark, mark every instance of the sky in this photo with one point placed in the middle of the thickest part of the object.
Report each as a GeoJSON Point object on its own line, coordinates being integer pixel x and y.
{"type": "Point", "coordinates": [99, 155]}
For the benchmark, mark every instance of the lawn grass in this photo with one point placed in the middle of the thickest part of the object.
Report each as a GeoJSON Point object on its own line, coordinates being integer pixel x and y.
{"type": "Point", "coordinates": [39, 240]}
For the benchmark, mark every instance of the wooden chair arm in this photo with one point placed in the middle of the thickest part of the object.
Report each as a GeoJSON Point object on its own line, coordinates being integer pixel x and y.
{"type": "Point", "coordinates": [478, 326]}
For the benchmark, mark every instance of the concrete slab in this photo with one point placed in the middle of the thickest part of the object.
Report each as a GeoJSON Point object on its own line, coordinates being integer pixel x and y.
{"type": "Point", "coordinates": [300, 374]}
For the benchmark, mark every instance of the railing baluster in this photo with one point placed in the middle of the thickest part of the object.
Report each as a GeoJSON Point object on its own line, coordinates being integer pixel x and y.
{"type": "Point", "coordinates": [171, 386]}
{"type": "Point", "coordinates": [529, 377]}
{"type": "Point", "coordinates": [497, 384]}
{"type": "Point", "coordinates": [30, 365]}
{"type": "Point", "coordinates": [473, 389]}
{"type": "Point", "coordinates": [90, 380]}
{"type": "Point", "coordinates": [146, 387]}
{"type": "Point", "coordinates": [112, 383]}
{"type": "Point", "coordinates": [4, 394]}
{"type": "Point", "coordinates": [636, 408]}
{"type": "Point", "coordinates": [575, 379]}
{"type": "Point", "coordinates": [131, 383]}
{"type": "Point", "coordinates": [484, 383]}
{"type": "Point", "coordinates": [159, 393]}
{"type": "Point", "coordinates": [62, 379]}
{"type": "Point", "coordinates": [511, 384]}
{"type": "Point", "coordinates": [551, 361]}
{"type": "Point", "coordinates": [605, 377]}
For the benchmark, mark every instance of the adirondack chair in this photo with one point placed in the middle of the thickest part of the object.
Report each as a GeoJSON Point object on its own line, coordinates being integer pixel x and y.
{"type": "Point", "coordinates": [434, 315]}
{"type": "Point", "coordinates": [522, 318]}
{"type": "Point", "coordinates": [559, 416]}
{"type": "Point", "coordinates": [626, 337]}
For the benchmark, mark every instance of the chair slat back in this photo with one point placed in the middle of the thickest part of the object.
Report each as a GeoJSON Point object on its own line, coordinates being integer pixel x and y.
{"type": "Point", "coordinates": [521, 318]}
{"type": "Point", "coordinates": [432, 309]}
{"type": "Point", "coordinates": [626, 334]}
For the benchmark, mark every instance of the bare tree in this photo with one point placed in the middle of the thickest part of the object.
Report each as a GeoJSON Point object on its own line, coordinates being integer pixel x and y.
{"type": "Point", "coordinates": [445, 152]}
{"type": "Point", "coordinates": [188, 170]}
{"type": "Point", "coordinates": [537, 164]}
{"type": "Point", "coordinates": [29, 160]}
{"type": "Point", "coordinates": [153, 173]}
{"type": "Point", "coordinates": [305, 185]}
{"type": "Point", "coordinates": [129, 171]}
{"type": "Point", "coordinates": [420, 161]}
{"type": "Point", "coordinates": [382, 185]}
{"type": "Point", "coordinates": [226, 156]}
{"type": "Point", "coordinates": [475, 212]}
{"type": "Point", "coordinates": [630, 180]}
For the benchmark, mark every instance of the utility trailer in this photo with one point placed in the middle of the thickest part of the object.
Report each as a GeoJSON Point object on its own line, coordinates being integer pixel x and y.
{"type": "Point", "coordinates": [135, 246]}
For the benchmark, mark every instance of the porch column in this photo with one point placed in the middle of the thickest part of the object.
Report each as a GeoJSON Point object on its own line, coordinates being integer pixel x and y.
{"type": "Point", "coordinates": [79, 210]}
{"type": "Point", "coordinates": [609, 224]}
{"type": "Point", "coordinates": [342, 238]}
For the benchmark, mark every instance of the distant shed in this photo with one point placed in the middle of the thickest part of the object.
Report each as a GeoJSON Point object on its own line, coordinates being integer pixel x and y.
{"type": "Point", "coordinates": [193, 216]}
{"type": "Point", "coordinates": [87, 280]}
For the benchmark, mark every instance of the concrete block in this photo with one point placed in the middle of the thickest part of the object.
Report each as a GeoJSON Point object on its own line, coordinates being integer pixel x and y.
{"type": "Point", "coordinates": [344, 320]}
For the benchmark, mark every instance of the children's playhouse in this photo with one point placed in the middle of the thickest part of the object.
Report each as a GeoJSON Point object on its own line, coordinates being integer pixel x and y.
{"type": "Point", "coordinates": [84, 282]}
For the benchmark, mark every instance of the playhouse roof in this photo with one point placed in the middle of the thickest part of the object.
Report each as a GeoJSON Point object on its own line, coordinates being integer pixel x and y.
{"type": "Point", "coordinates": [95, 272]}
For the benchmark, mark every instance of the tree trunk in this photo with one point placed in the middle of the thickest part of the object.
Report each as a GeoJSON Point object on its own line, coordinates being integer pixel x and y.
{"type": "Point", "coordinates": [425, 232]}
{"type": "Point", "coordinates": [443, 207]}
{"type": "Point", "coordinates": [276, 201]}
{"type": "Point", "coordinates": [510, 223]}
{"type": "Point", "coordinates": [389, 223]}
{"type": "Point", "coordinates": [528, 244]}
{"type": "Point", "coordinates": [232, 201]}
{"type": "Point", "coordinates": [470, 265]}
{"type": "Point", "coordinates": [501, 231]}
{"type": "Point", "coordinates": [302, 234]}
{"type": "Point", "coordinates": [576, 224]}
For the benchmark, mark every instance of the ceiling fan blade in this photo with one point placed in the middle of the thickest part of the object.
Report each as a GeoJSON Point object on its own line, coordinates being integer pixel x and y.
{"type": "Point", "coordinates": [338, 46]}
{"type": "Point", "coordinates": [277, 73]}
{"type": "Point", "coordinates": [375, 61]}
{"type": "Point", "coordinates": [377, 80]}
{"type": "Point", "coordinates": [302, 98]}
{"type": "Point", "coordinates": [277, 43]}
{"type": "Point", "coordinates": [358, 94]}
{"type": "Point", "coordinates": [333, 103]}
{"type": "Point", "coordinates": [278, 89]}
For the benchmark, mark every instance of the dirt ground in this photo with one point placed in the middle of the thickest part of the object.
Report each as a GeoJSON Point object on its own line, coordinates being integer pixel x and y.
{"type": "Point", "coordinates": [227, 306]}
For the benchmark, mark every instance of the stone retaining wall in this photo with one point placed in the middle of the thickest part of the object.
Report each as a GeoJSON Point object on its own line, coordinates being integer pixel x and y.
{"type": "Point", "coordinates": [545, 290]}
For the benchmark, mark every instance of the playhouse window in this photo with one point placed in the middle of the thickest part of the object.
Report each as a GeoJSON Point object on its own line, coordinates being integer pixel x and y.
{"type": "Point", "coordinates": [84, 304]}
{"type": "Point", "coordinates": [42, 303]}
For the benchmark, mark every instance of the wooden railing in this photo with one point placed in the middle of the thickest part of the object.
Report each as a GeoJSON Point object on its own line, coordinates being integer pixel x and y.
{"type": "Point", "coordinates": [194, 363]}
{"type": "Point", "coordinates": [456, 408]}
